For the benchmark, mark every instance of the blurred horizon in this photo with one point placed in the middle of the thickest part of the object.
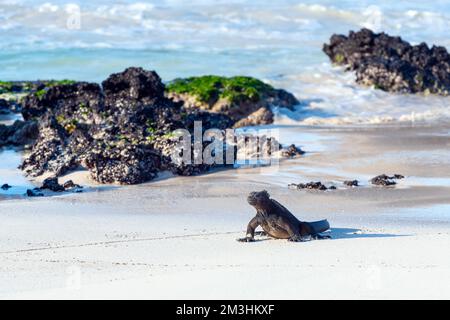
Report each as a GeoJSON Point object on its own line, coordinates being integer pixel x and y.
{"type": "Point", "coordinates": [90, 39]}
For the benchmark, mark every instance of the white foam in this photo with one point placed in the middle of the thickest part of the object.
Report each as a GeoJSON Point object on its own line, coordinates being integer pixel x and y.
{"type": "Point", "coordinates": [330, 96]}
{"type": "Point", "coordinates": [279, 41]}
{"type": "Point", "coordinates": [243, 20]}
{"type": "Point", "coordinates": [48, 7]}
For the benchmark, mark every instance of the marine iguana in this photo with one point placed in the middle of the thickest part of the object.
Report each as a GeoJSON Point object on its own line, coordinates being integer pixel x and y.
{"type": "Point", "coordinates": [278, 222]}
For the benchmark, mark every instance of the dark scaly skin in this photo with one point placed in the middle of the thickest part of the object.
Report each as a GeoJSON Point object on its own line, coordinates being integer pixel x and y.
{"type": "Point", "coordinates": [276, 221]}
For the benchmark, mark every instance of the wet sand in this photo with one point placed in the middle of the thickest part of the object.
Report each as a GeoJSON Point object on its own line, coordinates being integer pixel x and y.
{"type": "Point", "coordinates": [175, 237]}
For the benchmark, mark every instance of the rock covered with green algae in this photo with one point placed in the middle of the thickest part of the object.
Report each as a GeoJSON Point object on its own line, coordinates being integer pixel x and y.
{"type": "Point", "coordinates": [246, 100]}
{"type": "Point", "coordinates": [20, 133]}
{"type": "Point", "coordinates": [117, 131]}
{"type": "Point", "coordinates": [120, 131]}
{"type": "Point", "coordinates": [73, 100]}
{"type": "Point", "coordinates": [13, 93]}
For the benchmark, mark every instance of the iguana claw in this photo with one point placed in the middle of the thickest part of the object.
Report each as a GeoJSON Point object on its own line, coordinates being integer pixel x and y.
{"type": "Point", "coordinates": [246, 239]}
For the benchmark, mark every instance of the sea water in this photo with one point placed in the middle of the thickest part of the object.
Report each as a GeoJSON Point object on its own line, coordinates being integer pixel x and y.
{"type": "Point", "coordinates": [278, 41]}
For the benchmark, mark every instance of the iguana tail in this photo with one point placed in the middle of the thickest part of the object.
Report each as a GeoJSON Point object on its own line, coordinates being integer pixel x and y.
{"type": "Point", "coordinates": [319, 226]}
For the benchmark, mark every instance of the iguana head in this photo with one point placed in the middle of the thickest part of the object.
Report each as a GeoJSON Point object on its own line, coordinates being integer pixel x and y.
{"type": "Point", "coordinates": [258, 199]}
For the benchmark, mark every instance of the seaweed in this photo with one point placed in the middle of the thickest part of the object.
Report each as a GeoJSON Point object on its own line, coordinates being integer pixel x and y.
{"type": "Point", "coordinates": [210, 88]}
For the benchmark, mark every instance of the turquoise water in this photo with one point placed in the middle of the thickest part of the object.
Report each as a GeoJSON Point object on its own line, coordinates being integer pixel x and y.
{"type": "Point", "coordinates": [9, 173]}
{"type": "Point", "coordinates": [279, 41]}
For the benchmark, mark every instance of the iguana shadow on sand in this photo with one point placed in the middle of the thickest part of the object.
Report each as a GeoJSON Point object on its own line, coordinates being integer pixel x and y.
{"type": "Point", "coordinates": [279, 223]}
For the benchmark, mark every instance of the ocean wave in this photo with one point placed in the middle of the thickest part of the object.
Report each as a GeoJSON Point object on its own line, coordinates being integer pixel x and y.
{"type": "Point", "coordinates": [330, 96]}
{"type": "Point", "coordinates": [279, 41]}
{"type": "Point", "coordinates": [428, 117]}
{"type": "Point", "coordinates": [198, 23]}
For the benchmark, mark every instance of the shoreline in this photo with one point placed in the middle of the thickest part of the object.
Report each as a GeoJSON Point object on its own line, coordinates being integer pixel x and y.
{"type": "Point", "coordinates": [133, 169]}
{"type": "Point", "coordinates": [175, 237]}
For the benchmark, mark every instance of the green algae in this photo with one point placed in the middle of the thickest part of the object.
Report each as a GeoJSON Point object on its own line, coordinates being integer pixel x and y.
{"type": "Point", "coordinates": [210, 88]}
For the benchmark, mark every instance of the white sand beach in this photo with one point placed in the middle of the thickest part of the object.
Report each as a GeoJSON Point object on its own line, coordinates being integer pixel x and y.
{"type": "Point", "coordinates": [175, 237]}
{"type": "Point", "coordinates": [96, 75]}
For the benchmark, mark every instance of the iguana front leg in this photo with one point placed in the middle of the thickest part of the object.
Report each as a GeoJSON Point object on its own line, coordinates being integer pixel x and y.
{"type": "Point", "coordinates": [250, 235]}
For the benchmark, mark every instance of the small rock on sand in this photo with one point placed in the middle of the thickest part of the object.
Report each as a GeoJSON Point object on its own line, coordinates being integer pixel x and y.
{"type": "Point", "coordinates": [5, 186]}
{"type": "Point", "coordinates": [34, 193]}
{"type": "Point", "coordinates": [292, 151]}
{"type": "Point", "coordinates": [351, 183]}
{"type": "Point", "coordinates": [385, 180]}
{"type": "Point", "coordinates": [311, 186]}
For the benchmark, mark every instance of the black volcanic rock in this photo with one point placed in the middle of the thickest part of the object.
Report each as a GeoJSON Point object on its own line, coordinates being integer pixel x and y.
{"type": "Point", "coordinates": [120, 134]}
{"type": "Point", "coordinates": [134, 86]}
{"type": "Point", "coordinates": [351, 183]}
{"type": "Point", "coordinates": [245, 100]}
{"type": "Point", "coordinates": [292, 151]}
{"type": "Point", "coordinates": [20, 133]}
{"type": "Point", "coordinates": [4, 107]}
{"type": "Point", "coordinates": [385, 180]}
{"type": "Point", "coordinates": [52, 185]}
{"type": "Point", "coordinates": [34, 193]}
{"type": "Point", "coordinates": [390, 63]}
{"type": "Point", "coordinates": [5, 187]}
{"type": "Point", "coordinates": [211, 119]}
{"type": "Point", "coordinates": [80, 102]}
{"type": "Point", "coordinates": [312, 186]}
{"type": "Point", "coordinates": [69, 185]}
{"type": "Point", "coordinates": [50, 153]}
{"type": "Point", "coordinates": [130, 164]}
{"type": "Point", "coordinates": [11, 105]}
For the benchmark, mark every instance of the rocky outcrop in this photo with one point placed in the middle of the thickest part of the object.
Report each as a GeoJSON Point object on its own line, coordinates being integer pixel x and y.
{"type": "Point", "coordinates": [390, 63]}
{"type": "Point", "coordinates": [52, 184]}
{"type": "Point", "coordinates": [246, 101]}
{"type": "Point", "coordinates": [292, 151]}
{"type": "Point", "coordinates": [16, 87]}
{"type": "Point", "coordinates": [70, 103]}
{"type": "Point", "coordinates": [120, 132]}
{"type": "Point", "coordinates": [11, 104]}
{"type": "Point", "coordinates": [13, 92]}
{"type": "Point", "coordinates": [351, 183]}
{"type": "Point", "coordinates": [55, 151]}
{"type": "Point", "coordinates": [385, 180]}
{"type": "Point", "coordinates": [260, 117]}
{"type": "Point", "coordinates": [134, 86]}
{"type": "Point", "coordinates": [129, 164]}
{"type": "Point", "coordinates": [34, 193]}
{"type": "Point", "coordinates": [312, 186]}
{"type": "Point", "coordinates": [4, 107]}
